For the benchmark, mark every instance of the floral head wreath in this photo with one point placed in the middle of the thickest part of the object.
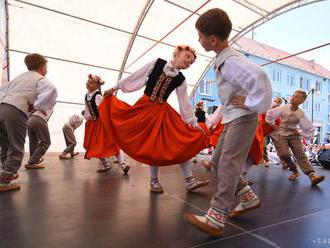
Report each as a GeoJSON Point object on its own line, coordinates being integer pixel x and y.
{"type": "Point", "coordinates": [180, 48]}
{"type": "Point", "coordinates": [199, 104]}
{"type": "Point", "coordinates": [96, 78]}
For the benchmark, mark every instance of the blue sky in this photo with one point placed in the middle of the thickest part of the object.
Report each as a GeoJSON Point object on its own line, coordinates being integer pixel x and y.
{"type": "Point", "coordinates": [300, 29]}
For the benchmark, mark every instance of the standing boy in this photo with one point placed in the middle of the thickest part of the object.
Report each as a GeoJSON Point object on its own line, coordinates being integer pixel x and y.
{"type": "Point", "coordinates": [25, 93]}
{"type": "Point", "coordinates": [244, 91]}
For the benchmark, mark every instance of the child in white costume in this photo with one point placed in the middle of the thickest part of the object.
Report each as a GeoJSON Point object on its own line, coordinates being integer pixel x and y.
{"type": "Point", "coordinates": [289, 138]}
{"type": "Point", "coordinates": [25, 93]}
{"type": "Point", "coordinates": [244, 91]}
{"type": "Point", "coordinates": [74, 122]}
{"type": "Point", "coordinates": [39, 138]}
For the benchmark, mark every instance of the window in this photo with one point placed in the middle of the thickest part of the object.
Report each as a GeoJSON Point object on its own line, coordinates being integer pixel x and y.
{"type": "Point", "coordinates": [305, 105]}
{"type": "Point", "coordinates": [329, 99]}
{"type": "Point", "coordinates": [318, 86]}
{"type": "Point", "coordinates": [276, 94]}
{"type": "Point", "coordinates": [269, 74]}
{"type": "Point", "coordinates": [276, 76]}
{"type": "Point", "coordinates": [304, 83]}
{"type": "Point", "coordinates": [205, 87]}
{"type": "Point", "coordinates": [317, 107]}
{"type": "Point", "coordinates": [290, 80]}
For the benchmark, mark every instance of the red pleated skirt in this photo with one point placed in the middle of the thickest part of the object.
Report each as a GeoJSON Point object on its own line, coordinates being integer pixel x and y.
{"type": "Point", "coordinates": [205, 128]}
{"type": "Point", "coordinates": [257, 148]}
{"type": "Point", "coordinates": [215, 133]}
{"type": "Point", "coordinates": [150, 132]}
{"type": "Point", "coordinates": [98, 142]}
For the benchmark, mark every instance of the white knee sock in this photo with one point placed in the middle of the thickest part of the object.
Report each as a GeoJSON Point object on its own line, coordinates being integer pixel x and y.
{"type": "Point", "coordinates": [120, 157]}
{"type": "Point", "coordinates": [154, 171]}
{"type": "Point", "coordinates": [186, 169]}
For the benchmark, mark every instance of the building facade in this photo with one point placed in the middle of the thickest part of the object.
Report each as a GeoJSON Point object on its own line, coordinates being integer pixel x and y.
{"type": "Point", "coordinates": [286, 76]}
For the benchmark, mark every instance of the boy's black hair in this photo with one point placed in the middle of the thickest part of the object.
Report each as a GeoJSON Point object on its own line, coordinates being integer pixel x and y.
{"type": "Point", "coordinates": [214, 22]}
{"type": "Point", "coordinates": [34, 61]}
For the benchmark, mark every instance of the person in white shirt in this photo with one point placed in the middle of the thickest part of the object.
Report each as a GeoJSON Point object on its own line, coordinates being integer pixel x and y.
{"type": "Point", "coordinates": [151, 131]}
{"type": "Point", "coordinates": [22, 95]}
{"type": "Point", "coordinates": [74, 122]}
{"type": "Point", "coordinates": [38, 132]}
{"type": "Point", "coordinates": [39, 137]}
{"type": "Point", "coordinates": [244, 90]}
{"type": "Point", "coordinates": [96, 136]}
{"type": "Point", "coordinates": [289, 137]}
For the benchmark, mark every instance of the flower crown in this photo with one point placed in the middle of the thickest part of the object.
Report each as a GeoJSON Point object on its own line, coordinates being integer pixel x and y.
{"type": "Point", "coordinates": [186, 48]}
{"type": "Point", "coordinates": [199, 104]}
{"type": "Point", "coordinates": [96, 78]}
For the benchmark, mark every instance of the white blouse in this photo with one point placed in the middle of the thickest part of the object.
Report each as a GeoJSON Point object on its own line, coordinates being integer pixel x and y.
{"type": "Point", "coordinates": [138, 79]}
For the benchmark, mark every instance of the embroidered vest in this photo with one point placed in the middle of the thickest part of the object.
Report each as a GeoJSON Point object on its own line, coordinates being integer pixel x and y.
{"type": "Point", "coordinates": [159, 86]}
{"type": "Point", "coordinates": [200, 114]}
{"type": "Point", "coordinates": [92, 107]}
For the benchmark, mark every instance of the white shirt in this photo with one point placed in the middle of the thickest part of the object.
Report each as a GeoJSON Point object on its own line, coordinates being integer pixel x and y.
{"type": "Point", "coordinates": [239, 77]}
{"type": "Point", "coordinates": [215, 117]}
{"type": "Point", "coordinates": [98, 100]}
{"type": "Point", "coordinates": [47, 94]}
{"type": "Point", "coordinates": [289, 121]}
{"type": "Point", "coordinates": [138, 79]}
{"type": "Point", "coordinates": [75, 121]}
{"type": "Point", "coordinates": [3, 91]}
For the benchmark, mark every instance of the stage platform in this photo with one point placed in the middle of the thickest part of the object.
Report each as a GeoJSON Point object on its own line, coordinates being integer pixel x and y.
{"type": "Point", "coordinates": [68, 204]}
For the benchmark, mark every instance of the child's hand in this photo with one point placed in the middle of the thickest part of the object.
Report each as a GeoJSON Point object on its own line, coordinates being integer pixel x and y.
{"type": "Point", "coordinates": [238, 102]}
{"type": "Point", "coordinates": [109, 92]}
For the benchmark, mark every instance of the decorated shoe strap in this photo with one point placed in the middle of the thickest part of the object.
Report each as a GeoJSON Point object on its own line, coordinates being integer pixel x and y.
{"type": "Point", "coordinates": [216, 216]}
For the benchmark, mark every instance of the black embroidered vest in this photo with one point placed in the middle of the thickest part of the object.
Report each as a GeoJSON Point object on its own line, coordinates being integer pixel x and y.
{"type": "Point", "coordinates": [92, 107]}
{"type": "Point", "coordinates": [159, 86]}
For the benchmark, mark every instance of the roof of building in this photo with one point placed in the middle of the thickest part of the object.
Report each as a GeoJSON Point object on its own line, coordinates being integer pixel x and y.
{"type": "Point", "coordinates": [271, 53]}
